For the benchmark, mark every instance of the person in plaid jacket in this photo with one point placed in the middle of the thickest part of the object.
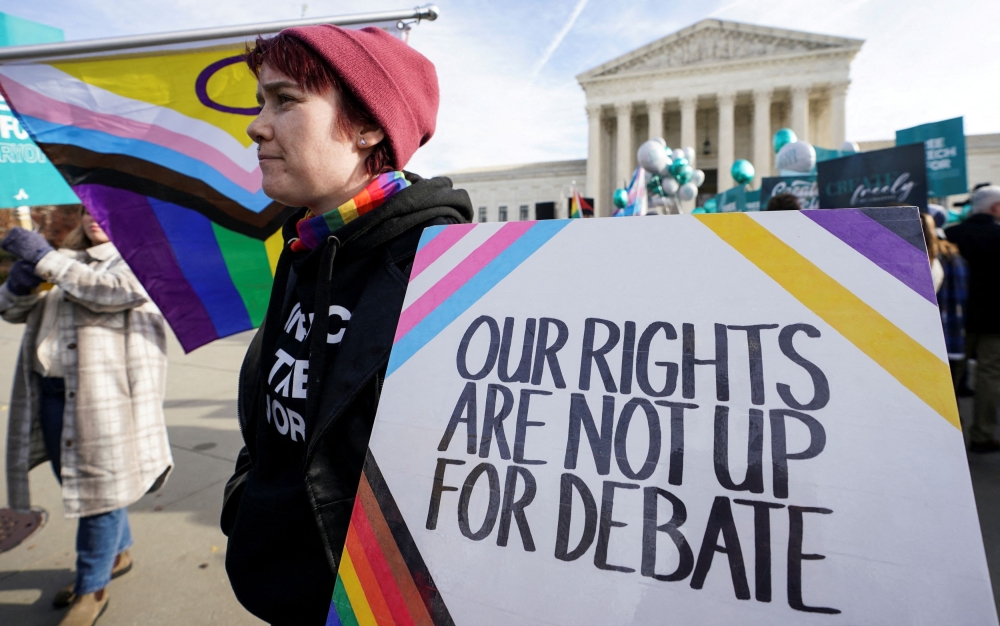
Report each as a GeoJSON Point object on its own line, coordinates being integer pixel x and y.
{"type": "Point", "coordinates": [87, 396]}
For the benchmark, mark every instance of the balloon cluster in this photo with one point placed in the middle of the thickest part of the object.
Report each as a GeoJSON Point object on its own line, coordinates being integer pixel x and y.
{"type": "Point", "coordinates": [671, 175]}
{"type": "Point", "coordinates": [798, 158]}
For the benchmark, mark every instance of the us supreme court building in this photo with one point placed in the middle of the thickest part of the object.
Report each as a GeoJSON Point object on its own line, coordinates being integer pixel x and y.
{"type": "Point", "coordinates": [723, 88]}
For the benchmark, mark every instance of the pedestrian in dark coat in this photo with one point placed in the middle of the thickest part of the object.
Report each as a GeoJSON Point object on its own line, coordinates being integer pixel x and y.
{"type": "Point", "coordinates": [978, 239]}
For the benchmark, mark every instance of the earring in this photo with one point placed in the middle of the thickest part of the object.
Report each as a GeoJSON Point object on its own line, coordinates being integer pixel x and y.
{"type": "Point", "coordinates": [363, 142]}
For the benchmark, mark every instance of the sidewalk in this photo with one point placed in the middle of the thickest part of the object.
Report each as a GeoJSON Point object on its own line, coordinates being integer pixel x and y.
{"type": "Point", "coordinates": [179, 576]}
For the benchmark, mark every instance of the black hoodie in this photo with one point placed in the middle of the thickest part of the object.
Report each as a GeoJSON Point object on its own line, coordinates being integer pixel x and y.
{"type": "Point", "coordinates": [309, 389]}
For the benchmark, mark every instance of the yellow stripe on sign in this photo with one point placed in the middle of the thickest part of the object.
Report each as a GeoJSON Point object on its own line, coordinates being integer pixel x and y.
{"type": "Point", "coordinates": [913, 365]}
{"type": "Point", "coordinates": [359, 603]}
{"type": "Point", "coordinates": [273, 246]}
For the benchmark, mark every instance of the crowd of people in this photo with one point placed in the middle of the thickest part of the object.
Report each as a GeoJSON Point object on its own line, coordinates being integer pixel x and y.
{"type": "Point", "coordinates": [341, 113]}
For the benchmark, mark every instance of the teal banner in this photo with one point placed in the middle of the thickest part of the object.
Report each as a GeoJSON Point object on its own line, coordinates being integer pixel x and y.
{"type": "Point", "coordinates": [824, 154]}
{"type": "Point", "coordinates": [27, 178]}
{"type": "Point", "coordinates": [944, 144]}
{"type": "Point", "coordinates": [802, 187]}
{"type": "Point", "coordinates": [732, 201]}
{"type": "Point", "coordinates": [753, 200]}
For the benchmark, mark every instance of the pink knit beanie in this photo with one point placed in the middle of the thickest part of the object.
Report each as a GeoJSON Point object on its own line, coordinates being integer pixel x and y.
{"type": "Point", "coordinates": [397, 84]}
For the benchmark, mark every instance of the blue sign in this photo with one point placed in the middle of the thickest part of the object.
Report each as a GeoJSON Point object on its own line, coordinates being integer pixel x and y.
{"type": "Point", "coordinates": [802, 187]}
{"type": "Point", "coordinates": [753, 200]}
{"type": "Point", "coordinates": [890, 177]}
{"type": "Point", "coordinates": [944, 143]}
{"type": "Point", "coordinates": [27, 178]}
{"type": "Point", "coordinates": [732, 201]}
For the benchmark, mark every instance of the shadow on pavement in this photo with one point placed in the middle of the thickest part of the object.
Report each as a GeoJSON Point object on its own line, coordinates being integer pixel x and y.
{"type": "Point", "coordinates": [20, 602]}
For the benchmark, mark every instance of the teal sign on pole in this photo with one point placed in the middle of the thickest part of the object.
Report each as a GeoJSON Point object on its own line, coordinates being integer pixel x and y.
{"type": "Point", "coordinates": [732, 201]}
{"type": "Point", "coordinates": [26, 175]}
{"type": "Point", "coordinates": [944, 143]}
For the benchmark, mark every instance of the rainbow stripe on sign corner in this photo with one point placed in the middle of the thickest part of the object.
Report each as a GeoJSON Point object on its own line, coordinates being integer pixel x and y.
{"type": "Point", "coordinates": [382, 579]}
{"type": "Point", "coordinates": [154, 143]}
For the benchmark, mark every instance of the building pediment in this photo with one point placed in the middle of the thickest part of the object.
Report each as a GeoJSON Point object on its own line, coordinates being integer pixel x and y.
{"type": "Point", "coordinates": [716, 41]}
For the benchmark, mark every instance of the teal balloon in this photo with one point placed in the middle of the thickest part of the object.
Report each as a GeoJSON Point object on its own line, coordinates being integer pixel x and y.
{"type": "Point", "coordinates": [655, 186]}
{"type": "Point", "coordinates": [621, 198]}
{"type": "Point", "coordinates": [684, 174]}
{"type": "Point", "coordinates": [742, 172]}
{"type": "Point", "coordinates": [782, 137]}
{"type": "Point", "coordinates": [677, 166]}
{"type": "Point", "coordinates": [710, 206]}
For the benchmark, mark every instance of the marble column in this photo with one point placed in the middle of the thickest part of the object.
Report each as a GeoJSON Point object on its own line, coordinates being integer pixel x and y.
{"type": "Point", "coordinates": [594, 159]}
{"type": "Point", "coordinates": [689, 109]}
{"type": "Point", "coordinates": [763, 151]}
{"type": "Point", "coordinates": [623, 169]}
{"type": "Point", "coordinates": [655, 109]}
{"type": "Point", "coordinates": [727, 139]}
{"type": "Point", "coordinates": [800, 112]}
{"type": "Point", "coordinates": [838, 113]}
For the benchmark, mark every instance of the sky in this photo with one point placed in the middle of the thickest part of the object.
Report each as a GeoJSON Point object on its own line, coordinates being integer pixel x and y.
{"type": "Point", "coordinates": [507, 69]}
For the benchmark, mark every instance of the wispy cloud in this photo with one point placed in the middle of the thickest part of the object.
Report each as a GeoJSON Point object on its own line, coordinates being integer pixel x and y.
{"type": "Point", "coordinates": [577, 10]}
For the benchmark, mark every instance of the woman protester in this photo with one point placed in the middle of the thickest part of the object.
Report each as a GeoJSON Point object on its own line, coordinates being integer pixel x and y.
{"type": "Point", "coordinates": [87, 397]}
{"type": "Point", "coordinates": [342, 111]}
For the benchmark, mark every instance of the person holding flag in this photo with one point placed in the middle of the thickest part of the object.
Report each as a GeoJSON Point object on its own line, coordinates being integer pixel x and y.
{"type": "Point", "coordinates": [342, 111]}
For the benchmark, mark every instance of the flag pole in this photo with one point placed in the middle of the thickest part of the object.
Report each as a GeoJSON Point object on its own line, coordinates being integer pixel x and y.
{"type": "Point", "coordinates": [429, 12]}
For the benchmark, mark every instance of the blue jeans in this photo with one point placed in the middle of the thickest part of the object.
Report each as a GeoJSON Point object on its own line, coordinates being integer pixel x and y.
{"type": "Point", "coordinates": [99, 538]}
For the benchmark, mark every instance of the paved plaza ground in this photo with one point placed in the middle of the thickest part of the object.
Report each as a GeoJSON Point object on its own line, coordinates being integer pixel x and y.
{"type": "Point", "coordinates": [179, 576]}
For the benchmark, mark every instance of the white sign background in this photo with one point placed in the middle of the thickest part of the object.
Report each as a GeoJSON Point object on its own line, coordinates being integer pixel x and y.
{"type": "Point", "coordinates": [902, 544]}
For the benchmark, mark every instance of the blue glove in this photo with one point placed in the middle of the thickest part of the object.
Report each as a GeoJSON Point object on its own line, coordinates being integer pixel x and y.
{"type": "Point", "coordinates": [26, 245]}
{"type": "Point", "coordinates": [22, 279]}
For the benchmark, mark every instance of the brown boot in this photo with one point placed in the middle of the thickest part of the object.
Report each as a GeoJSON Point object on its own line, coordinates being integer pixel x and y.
{"type": "Point", "coordinates": [65, 596]}
{"type": "Point", "coordinates": [86, 609]}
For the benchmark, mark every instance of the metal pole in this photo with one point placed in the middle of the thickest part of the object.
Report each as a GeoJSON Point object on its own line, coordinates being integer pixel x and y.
{"type": "Point", "coordinates": [21, 53]}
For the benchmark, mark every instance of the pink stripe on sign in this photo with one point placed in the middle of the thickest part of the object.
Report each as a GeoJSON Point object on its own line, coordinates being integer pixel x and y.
{"type": "Point", "coordinates": [457, 277]}
{"type": "Point", "coordinates": [35, 104]}
{"type": "Point", "coordinates": [438, 246]}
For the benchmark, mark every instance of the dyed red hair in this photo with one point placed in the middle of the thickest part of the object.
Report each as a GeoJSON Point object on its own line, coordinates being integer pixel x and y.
{"type": "Point", "coordinates": [291, 57]}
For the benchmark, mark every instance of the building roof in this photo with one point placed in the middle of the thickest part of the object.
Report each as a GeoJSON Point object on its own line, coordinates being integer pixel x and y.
{"type": "Point", "coordinates": [714, 41]}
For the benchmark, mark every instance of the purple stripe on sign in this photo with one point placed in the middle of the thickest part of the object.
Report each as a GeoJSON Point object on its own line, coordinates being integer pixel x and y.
{"type": "Point", "coordinates": [132, 225]}
{"type": "Point", "coordinates": [879, 245]}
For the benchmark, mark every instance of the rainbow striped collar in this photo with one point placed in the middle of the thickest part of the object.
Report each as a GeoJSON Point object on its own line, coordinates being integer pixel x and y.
{"type": "Point", "coordinates": [314, 229]}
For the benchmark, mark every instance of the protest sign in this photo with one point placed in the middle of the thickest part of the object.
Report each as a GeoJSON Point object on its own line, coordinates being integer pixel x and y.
{"type": "Point", "coordinates": [26, 175]}
{"type": "Point", "coordinates": [753, 200]}
{"type": "Point", "coordinates": [802, 187]}
{"type": "Point", "coordinates": [878, 178]}
{"type": "Point", "coordinates": [944, 143]}
{"type": "Point", "coordinates": [732, 200]}
{"type": "Point", "coordinates": [27, 178]}
{"type": "Point", "coordinates": [765, 434]}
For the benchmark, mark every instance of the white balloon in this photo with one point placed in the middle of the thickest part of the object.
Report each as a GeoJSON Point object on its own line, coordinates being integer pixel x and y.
{"type": "Point", "coordinates": [849, 146]}
{"type": "Point", "coordinates": [657, 201]}
{"type": "Point", "coordinates": [670, 186]}
{"type": "Point", "coordinates": [678, 154]}
{"type": "Point", "coordinates": [687, 192]}
{"type": "Point", "coordinates": [698, 178]}
{"type": "Point", "coordinates": [652, 156]}
{"type": "Point", "coordinates": [665, 172]}
{"type": "Point", "coordinates": [660, 141]}
{"type": "Point", "coordinates": [797, 157]}
{"type": "Point", "coordinates": [689, 154]}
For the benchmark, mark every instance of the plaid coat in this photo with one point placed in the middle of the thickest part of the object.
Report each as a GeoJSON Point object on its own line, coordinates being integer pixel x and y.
{"type": "Point", "coordinates": [114, 440]}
